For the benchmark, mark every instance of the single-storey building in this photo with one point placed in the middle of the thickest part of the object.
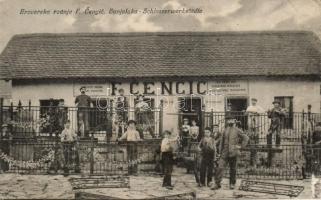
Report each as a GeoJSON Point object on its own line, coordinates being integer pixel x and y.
{"type": "Point", "coordinates": [208, 70]}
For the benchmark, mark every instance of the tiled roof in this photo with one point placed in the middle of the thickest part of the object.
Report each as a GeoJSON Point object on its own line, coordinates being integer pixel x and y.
{"type": "Point", "coordinates": [112, 55]}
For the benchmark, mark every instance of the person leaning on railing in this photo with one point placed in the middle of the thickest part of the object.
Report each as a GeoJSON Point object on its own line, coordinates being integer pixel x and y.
{"type": "Point", "coordinates": [275, 114]}
{"type": "Point", "coordinates": [69, 140]}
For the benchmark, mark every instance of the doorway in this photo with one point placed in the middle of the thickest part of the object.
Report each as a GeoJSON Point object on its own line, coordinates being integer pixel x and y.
{"type": "Point", "coordinates": [191, 108]}
{"type": "Point", "coordinates": [238, 108]}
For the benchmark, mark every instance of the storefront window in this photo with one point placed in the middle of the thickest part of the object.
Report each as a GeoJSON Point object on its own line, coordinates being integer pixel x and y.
{"type": "Point", "coordinates": [144, 116]}
{"type": "Point", "coordinates": [99, 116]}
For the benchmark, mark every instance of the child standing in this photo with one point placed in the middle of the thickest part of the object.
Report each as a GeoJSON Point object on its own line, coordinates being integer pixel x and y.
{"type": "Point", "coordinates": [185, 132]}
{"type": "Point", "coordinates": [69, 140]}
{"type": "Point", "coordinates": [131, 136]}
{"type": "Point", "coordinates": [208, 150]}
{"type": "Point", "coordinates": [167, 159]}
{"type": "Point", "coordinates": [194, 131]}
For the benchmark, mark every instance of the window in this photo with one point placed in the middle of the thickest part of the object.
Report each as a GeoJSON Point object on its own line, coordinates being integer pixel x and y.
{"type": "Point", "coordinates": [287, 103]}
{"type": "Point", "coordinates": [52, 118]}
{"type": "Point", "coordinates": [144, 116]}
{"type": "Point", "coordinates": [46, 103]}
{"type": "Point", "coordinates": [100, 116]}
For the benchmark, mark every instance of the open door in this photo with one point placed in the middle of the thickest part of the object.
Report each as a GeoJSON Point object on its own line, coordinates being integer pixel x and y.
{"type": "Point", "coordinates": [238, 106]}
{"type": "Point", "coordinates": [191, 108]}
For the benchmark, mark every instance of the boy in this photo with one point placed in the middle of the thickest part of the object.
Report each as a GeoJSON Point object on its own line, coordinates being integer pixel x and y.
{"type": "Point", "coordinates": [131, 136]}
{"type": "Point", "coordinates": [207, 148]}
{"type": "Point", "coordinates": [167, 159]}
{"type": "Point", "coordinates": [69, 140]}
{"type": "Point", "coordinates": [193, 136]}
{"type": "Point", "coordinates": [217, 135]}
{"type": "Point", "coordinates": [194, 131]}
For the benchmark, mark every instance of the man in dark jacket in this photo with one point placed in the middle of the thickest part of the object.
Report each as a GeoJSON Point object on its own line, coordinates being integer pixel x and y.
{"type": "Point", "coordinates": [233, 139]}
{"type": "Point", "coordinates": [83, 102]}
{"type": "Point", "coordinates": [276, 114]}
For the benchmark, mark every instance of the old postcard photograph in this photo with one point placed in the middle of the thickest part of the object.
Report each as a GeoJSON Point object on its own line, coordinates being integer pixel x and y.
{"type": "Point", "coordinates": [162, 99]}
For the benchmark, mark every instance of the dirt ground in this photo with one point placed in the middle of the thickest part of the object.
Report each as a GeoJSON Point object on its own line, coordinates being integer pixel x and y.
{"type": "Point", "coordinates": [13, 186]}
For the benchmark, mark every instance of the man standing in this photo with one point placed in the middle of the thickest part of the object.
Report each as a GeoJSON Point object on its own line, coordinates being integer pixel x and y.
{"type": "Point", "coordinates": [167, 158]}
{"type": "Point", "coordinates": [276, 114]}
{"type": "Point", "coordinates": [83, 103]}
{"type": "Point", "coordinates": [253, 112]}
{"type": "Point", "coordinates": [121, 112]}
{"type": "Point", "coordinates": [233, 139]}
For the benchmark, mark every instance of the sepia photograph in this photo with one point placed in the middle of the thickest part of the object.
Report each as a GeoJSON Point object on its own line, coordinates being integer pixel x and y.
{"type": "Point", "coordinates": [167, 99]}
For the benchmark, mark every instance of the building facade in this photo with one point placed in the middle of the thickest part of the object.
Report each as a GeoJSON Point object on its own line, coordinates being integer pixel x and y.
{"type": "Point", "coordinates": [189, 72]}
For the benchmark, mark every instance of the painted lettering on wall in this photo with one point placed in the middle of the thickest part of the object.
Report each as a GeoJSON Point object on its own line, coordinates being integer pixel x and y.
{"type": "Point", "coordinates": [161, 88]}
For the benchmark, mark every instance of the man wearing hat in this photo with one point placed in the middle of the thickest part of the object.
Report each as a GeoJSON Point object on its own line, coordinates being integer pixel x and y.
{"type": "Point", "coordinates": [253, 112]}
{"type": "Point", "coordinates": [233, 139]}
{"type": "Point", "coordinates": [275, 114]}
{"type": "Point", "coordinates": [83, 103]}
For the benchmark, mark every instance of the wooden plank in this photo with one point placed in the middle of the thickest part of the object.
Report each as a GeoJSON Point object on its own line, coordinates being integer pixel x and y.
{"type": "Point", "coordinates": [86, 195]}
{"type": "Point", "coordinates": [271, 188]}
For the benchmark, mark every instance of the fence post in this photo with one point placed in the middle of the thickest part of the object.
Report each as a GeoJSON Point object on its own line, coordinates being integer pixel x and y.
{"type": "Point", "coordinates": [161, 110]}
{"type": "Point", "coordinates": [211, 119]}
{"type": "Point", "coordinates": [109, 131]}
{"type": "Point", "coordinates": [11, 111]}
{"type": "Point", "coordinates": [203, 119]}
{"type": "Point", "coordinates": [29, 105]}
{"type": "Point", "coordinates": [91, 154]}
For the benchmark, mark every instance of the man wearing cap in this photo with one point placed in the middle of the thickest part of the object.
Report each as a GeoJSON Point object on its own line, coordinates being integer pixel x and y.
{"type": "Point", "coordinates": [275, 114]}
{"type": "Point", "coordinates": [253, 112]}
{"type": "Point", "coordinates": [83, 103]}
{"type": "Point", "coordinates": [233, 139]}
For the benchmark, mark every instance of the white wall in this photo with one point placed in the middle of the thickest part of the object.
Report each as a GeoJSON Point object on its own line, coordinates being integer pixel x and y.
{"type": "Point", "coordinates": [303, 92]}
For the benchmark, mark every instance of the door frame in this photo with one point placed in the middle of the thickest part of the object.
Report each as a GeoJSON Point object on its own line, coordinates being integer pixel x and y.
{"type": "Point", "coordinates": [200, 120]}
{"type": "Point", "coordinates": [236, 97]}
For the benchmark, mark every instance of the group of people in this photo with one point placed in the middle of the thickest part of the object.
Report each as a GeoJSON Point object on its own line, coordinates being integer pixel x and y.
{"type": "Point", "coordinates": [223, 148]}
